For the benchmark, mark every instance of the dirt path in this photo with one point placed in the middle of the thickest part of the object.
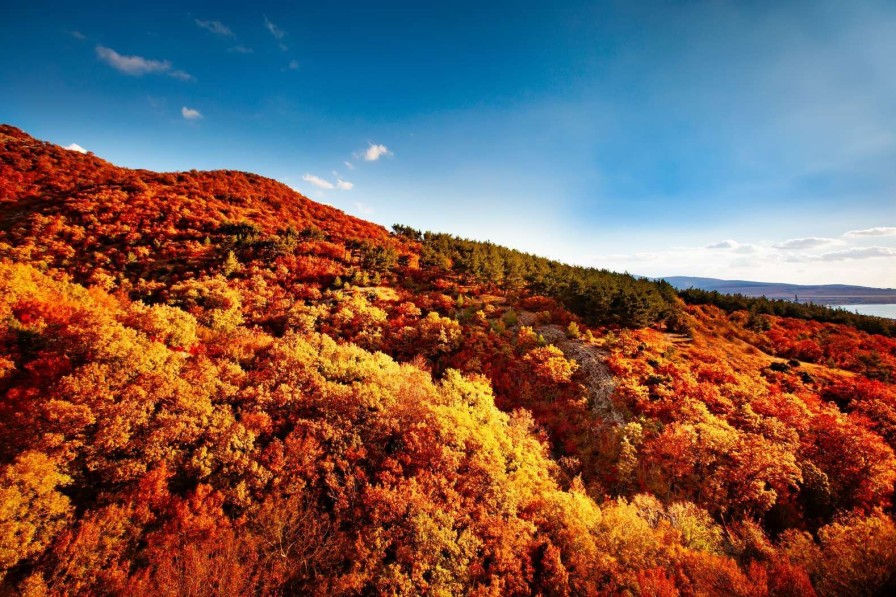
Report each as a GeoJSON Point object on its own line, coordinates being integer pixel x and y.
{"type": "Point", "coordinates": [678, 338]}
{"type": "Point", "coordinates": [594, 374]}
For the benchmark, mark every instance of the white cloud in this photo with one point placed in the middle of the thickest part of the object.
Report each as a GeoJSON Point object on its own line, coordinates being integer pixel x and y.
{"type": "Point", "coordinates": [761, 261]}
{"type": "Point", "coordinates": [879, 231]}
{"type": "Point", "coordinates": [319, 182]}
{"type": "Point", "coordinates": [811, 242]}
{"type": "Point", "coordinates": [216, 27]}
{"type": "Point", "coordinates": [799, 258]}
{"type": "Point", "coordinates": [191, 113]}
{"type": "Point", "coordinates": [78, 35]}
{"type": "Point", "coordinates": [137, 66]}
{"type": "Point", "coordinates": [75, 147]}
{"type": "Point", "coordinates": [293, 65]}
{"type": "Point", "coordinates": [349, 165]}
{"type": "Point", "coordinates": [131, 65]}
{"type": "Point", "coordinates": [859, 253]}
{"type": "Point", "coordinates": [745, 249]}
{"type": "Point", "coordinates": [734, 246]}
{"type": "Point", "coordinates": [323, 183]}
{"type": "Point", "coordinates": [241, 50]}
{"type": "Point", "coordinates": [277, 32]}
{"type": "Point", "coordinates": [375, 152]}
{"type": "Point", "coordinates": [181, 75]}
{"type": "Point", "coordinates": [363, 208]}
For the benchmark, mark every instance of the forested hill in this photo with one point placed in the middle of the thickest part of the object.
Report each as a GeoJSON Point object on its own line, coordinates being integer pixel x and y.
{"type": "Point", "coordinates": [57, 204]}
{"type": "Point", "coordinates": [598, 295]}
{"type": "Point", "coordinates": [139, 228]}
{"type": "Point", "coordinates": [785, 308]}
{"type": "Point", "coordinates": [42, 177]}
{"type": "Point", "coordinates": [211, 385]}
{"type": "Point", "coordinates": [142, 227]}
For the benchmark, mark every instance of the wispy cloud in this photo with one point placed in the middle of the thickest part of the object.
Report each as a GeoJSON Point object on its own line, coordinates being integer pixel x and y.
{"type": "Point", "coordinates": [241, 50]}
{"type": "Point", "coordinates": [732, 246]}
{"type": "Point", "coordinates": [375, 152]}
{"type": "Point", "coordinates": [293, 65]}
{"type": "Point", "coordinates": [159, 104]}
{"type": "Point", "coordinates": [349, 165]}
{"type": "Point", "coordinates": [78, 35]}
{"type": "Point", "coordinates": [75, 147]}
{"type": "Point", "coordinates": [879, 231]}
{"type": "Point", "coordinates": [191, 113]}
{"type": "Point", "coordinates": [806, 260]}
{"type": "Point", "coordinates": [216, 27]}
{"type": "Point", "coordinates": [317, 181]}
{"type": "Point", "coordinates": [807, 243]}
{"type": "Point", "coordinates": [363, 208]}
{"type": "Point", "coordinates": [131, 65]}
{"type": "Point", "coordinates": [859, 253]}
{"type": "Point", "coordinates": [277, 32]}
{"type": "Point", "coordinates": [323, 183]}
{"type": "Point", "coordinates": [137, 66]}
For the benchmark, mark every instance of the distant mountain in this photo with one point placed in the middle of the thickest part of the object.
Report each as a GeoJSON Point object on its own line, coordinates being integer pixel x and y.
{"type": "Point", "coordinates": [823, 294]}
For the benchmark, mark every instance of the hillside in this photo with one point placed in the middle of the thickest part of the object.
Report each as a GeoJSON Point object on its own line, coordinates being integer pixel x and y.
{"type": "Point", "coordinates": [822, 294]}
{"type": "Point", "coordinates": [212, 385]}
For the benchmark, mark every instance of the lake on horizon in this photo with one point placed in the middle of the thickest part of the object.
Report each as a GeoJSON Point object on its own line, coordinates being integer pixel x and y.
{"type": "Point", "coordinates": [888, 311]}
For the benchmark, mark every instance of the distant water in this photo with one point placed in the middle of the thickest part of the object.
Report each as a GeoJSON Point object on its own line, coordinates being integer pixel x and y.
{"type": "Point", "coordinates": [876, 310]}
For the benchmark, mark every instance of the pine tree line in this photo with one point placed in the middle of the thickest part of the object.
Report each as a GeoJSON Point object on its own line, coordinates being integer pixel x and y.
{"type": "Point", "coordinates": [599, 296]}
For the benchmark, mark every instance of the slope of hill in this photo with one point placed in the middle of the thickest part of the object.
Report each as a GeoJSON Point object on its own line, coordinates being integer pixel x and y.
{"type": "Point", "coordinates": [822, 294]}
{"type": "Point", "coordinates": [211, 385]}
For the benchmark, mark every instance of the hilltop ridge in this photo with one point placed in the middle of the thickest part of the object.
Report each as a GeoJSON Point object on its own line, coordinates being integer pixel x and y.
{"type": "Point", "coordinates": [42, 177]}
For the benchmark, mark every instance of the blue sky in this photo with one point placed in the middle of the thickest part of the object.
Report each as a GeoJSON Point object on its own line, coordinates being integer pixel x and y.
{"type": "Point", "coordinates": [745, 140]}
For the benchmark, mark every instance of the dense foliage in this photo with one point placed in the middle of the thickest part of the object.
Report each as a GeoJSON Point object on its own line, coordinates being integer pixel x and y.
{"type": "Point", "coordinates": [210, 385]}
{"type": "Point", "coordinates": [782, 308]}
{"type": "Point", "coordinates": [598, 296]}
